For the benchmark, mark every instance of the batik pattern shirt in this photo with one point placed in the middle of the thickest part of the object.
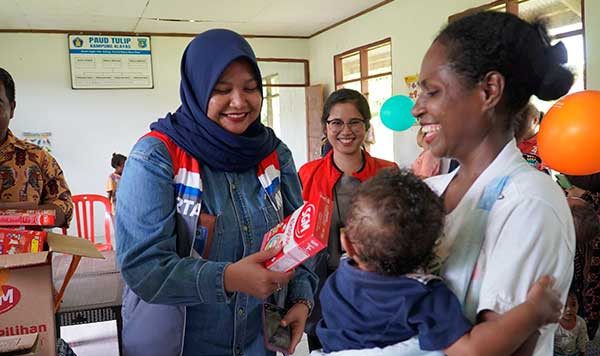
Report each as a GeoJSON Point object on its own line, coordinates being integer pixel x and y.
{"type": "Point", "coordinates": [30, 174]}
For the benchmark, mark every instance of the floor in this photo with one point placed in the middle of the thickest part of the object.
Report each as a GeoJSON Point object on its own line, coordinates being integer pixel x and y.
{"type": "Point", "coordinates": [100, 339]}
{"type": "Point", "coordinates": [94, 339]}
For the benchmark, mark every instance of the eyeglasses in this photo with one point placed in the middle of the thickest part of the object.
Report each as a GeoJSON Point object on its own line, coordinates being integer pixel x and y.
{"type": "Point", "coordinates": [337, 125]}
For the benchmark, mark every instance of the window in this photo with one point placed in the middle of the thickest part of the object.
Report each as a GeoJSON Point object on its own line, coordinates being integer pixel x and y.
{"type": "Point", "coordinates": [270, 110]}
{"type": "Point", "coordinates": [564, 21]}
{"type": "Point", "coordinates": [281, 78]}
{"type": "Point", "coordinates": [511, 6]}
{"type": "Point", "coordinates": [565, 24]}
{"type": "Point", "coordinates": [368, 69]}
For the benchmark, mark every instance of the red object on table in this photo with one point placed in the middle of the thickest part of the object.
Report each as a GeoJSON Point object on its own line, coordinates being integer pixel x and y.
{"type": "Point", "coordinates": [19, 217]}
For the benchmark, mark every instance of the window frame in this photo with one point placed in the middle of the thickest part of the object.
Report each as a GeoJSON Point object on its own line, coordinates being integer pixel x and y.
{"type": "Point", "coordinates": [512, 6]}
{"type": "Point", "coordinates": [290, 60]}
{"type": "Point", "coordinates": [269, 96]}
{"type": "Point", "coordinates": [364, 65]}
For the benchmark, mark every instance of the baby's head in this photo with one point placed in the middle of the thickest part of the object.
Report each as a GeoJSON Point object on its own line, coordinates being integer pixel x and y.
{"type": "Point", "coordinates": [393, 223]}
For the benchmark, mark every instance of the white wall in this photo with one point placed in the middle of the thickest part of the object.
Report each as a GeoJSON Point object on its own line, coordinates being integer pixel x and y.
{"type": "Point", "coordinates": [592, 41]}
{"type": "Point", "coordinates": [412, 25]}
{"type": "Point", "coordinates": [89, 125]}
{"type": "Point", "coordinates": [292, 104]}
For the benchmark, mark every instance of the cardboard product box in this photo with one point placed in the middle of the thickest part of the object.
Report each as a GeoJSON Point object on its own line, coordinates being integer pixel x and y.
{"type": "Point", "coordinates": [304, 233]}
{"type": "Point", "coordinates": [14, 241]}
{"type": "Point", "coordinates": [15, 217]}
{"type": "Point", "coordinates": [22, 345]}
{"type": "Point", "coordinates": [27, 301]}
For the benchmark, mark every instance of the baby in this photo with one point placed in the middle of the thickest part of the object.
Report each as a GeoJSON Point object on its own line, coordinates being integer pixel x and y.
{"type": "Point", "coordinates": [378, 296]}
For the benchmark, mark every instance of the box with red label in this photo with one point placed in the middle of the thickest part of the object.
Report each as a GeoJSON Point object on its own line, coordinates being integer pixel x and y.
{"type": "Point", "coordinates": [304, 233]}
{"type": "Point", "coordinates": [21, 241]}
{"type": "Point", "coordinates": [13, 217]}
{"type": "Point", "coordinates": [27, 301]}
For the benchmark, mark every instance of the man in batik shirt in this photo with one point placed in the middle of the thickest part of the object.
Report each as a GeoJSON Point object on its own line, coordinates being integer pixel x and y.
{"type": "Point", "coordinates": [30, 178]}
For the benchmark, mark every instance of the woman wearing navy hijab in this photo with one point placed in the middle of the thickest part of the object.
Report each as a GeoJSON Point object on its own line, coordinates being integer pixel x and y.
{"type": "Point", "coordinates": [196, 197]}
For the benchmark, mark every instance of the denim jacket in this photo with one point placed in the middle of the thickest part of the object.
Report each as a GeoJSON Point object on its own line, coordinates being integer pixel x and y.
{"type": "Point", "coordinates": [216, 323]}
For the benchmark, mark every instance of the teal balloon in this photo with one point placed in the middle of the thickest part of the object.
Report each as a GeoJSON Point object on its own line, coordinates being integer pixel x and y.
{"type": "Point", "coordinates": [396, 114]}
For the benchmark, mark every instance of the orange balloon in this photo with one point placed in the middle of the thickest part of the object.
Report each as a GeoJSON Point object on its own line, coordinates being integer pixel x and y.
{"type": "Point", "coordinates": [569, 136]}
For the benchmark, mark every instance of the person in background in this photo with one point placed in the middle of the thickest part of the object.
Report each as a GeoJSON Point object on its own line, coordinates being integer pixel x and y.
{"type": "Point", "coordinates": [587, 262]}
{"type": "Point", "coordinates": [425, 165]}
{"type": "Point", "coordinates": [587, 188]}
{"type": "Point", "coordinates": [30, 177]}
{"type": "Point", "coordinates": [198, 194]}
{"type": "Point", "coordinates": [380, 296]}
{"type": "Point", "coordinates": [528, 125]}
{"type": "Point", "coordinates": [571, 336]}
{"type": "Point", "coordinates": [346, 119]}
{"type": "Point", "coordinates": [118, 163]}
{"type": "Point", "coordinates": [590, 182]}
{"type": "Point", "coordinates": [503, 217]}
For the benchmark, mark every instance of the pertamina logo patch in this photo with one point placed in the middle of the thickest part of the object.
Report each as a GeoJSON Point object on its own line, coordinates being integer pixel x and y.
{"type": "Point", "coordinates": [9, 298]}
{"type": "Point", "coordinates": [303, 222]}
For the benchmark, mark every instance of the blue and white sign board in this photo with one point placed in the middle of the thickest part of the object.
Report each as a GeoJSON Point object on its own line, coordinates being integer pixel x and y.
{"type": "Point", "coordinates": [110, 62]}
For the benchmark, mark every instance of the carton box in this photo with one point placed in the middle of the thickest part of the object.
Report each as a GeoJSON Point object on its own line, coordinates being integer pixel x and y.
{"type": "Point", "coordinates": [304, 233]}
{"type": "Point", "coordinates": [27, 301]}
{"type": "Point", "coordinates": [14, 241]}
{"type": "Point", "coordinates": [16, 217]}
{"type": "Point", "coordinates": [22, 345]}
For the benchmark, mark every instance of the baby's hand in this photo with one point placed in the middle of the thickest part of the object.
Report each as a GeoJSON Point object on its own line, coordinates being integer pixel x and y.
{"type": "Point", "coordinates": [545, 301]}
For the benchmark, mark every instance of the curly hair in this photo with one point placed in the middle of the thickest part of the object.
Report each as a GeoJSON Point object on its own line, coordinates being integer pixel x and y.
{"type": "Point", "coordinates": [117, 160]}
{"type": "Point", "coordinates": [586, 221]}
{"type": "Point", "coordinates": [520, 51]}
{"type": "Point", "coordinates": [395, 220]}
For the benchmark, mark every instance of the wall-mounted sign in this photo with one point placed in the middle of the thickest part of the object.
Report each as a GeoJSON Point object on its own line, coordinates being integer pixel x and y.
{"type": "Point", "coordinates": [110, 62]}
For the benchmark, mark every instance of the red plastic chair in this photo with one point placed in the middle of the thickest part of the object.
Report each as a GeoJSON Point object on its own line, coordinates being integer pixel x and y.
{"type": "Point", "coordinates": [83, 206]}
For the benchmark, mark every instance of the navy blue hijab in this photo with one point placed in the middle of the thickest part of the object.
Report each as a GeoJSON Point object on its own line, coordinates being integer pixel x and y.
{"type": "Point", "coordinates": [203, 62]}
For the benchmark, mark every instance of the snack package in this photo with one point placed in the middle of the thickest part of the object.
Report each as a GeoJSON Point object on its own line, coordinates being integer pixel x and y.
{"type": "Point", "coordinates": [13, 241]}
{"type": "Point", "coordinates": [304, 233]}
{"type": "Point", "coordinates": [13, 217]}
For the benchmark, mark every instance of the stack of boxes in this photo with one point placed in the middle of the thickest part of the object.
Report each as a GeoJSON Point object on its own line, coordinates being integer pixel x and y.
{"type": "Point", "coordinates": [14, 238]}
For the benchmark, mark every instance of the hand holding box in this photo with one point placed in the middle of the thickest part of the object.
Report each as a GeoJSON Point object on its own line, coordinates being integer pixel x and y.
{"type": "Point", "coordinates": [303, 234]}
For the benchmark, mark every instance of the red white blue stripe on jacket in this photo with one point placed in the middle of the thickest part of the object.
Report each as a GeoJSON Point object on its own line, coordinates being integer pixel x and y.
{"type": "Point", "coordinates": [189, 186]}
{"type": "Point", "coordinates": [188, 189]}
{"type": "Point", "coordinates": [269, 175]}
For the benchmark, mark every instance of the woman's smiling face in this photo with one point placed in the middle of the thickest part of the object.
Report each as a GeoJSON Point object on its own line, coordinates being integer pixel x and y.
{"type": "Point", "coordinates": [450, 114]}
{"type": "Point", "coordinates": [235, 101]}
{"type": "Point", "coordinates": [348, 140]}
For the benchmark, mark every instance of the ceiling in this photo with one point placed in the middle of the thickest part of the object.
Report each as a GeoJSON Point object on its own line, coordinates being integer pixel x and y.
{"type": "Point", "coordinates": [250, 17]}
{"type": "Point", "coordinates": [556, 13]}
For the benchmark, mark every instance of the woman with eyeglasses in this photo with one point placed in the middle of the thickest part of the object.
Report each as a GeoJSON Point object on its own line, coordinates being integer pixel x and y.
{"type": "Point", "coordinates": [346, 120]}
